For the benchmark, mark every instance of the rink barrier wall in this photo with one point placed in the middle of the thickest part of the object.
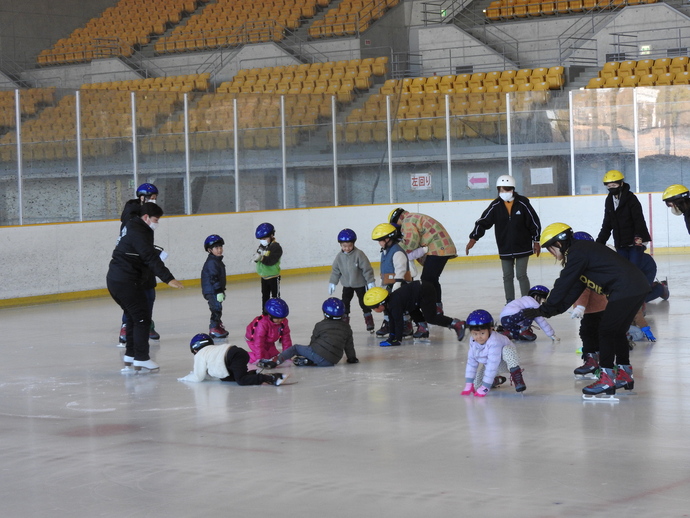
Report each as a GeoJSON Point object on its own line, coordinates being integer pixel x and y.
{"type": "Point", "coordinates": [68, 261]}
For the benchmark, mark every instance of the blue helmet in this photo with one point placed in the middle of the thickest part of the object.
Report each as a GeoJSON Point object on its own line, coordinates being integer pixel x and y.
{"type": "Point", "coordinates": [264, 230]}
{"type": "Point", "coordinates": [277, 308]}
{"type": "Point", "coordinates": [347, 235]}
{"type": "Point", "coordinates": [333, 308]}
{"type": "Point", "coordinates": [200, 341]}
{"type": "Point", "coordinates": [538, 290]}
{"type": "Point", "coordinates": [146, 189]}
{"type": "Point", "coordinates": [480, 318]}
{"type": "Point", "coordinates": [212, 241]}
{"type": "Point", "coordinates": [582, 236]}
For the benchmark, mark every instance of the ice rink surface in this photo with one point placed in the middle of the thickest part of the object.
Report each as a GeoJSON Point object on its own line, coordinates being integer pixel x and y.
{"type": "Point", "coordinates": [388, 437]}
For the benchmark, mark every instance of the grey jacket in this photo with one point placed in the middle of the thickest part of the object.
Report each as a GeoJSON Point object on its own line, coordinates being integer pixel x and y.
{"type": "Point", "coordinates": [353, 270]}
{"type": "Point", "coordinates": [331, 338]}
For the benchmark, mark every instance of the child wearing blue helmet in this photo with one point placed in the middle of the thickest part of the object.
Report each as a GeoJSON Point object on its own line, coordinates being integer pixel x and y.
{"type": "Point", "coordinates": [267, 329]}
{"type": "Point", "coordinates": [516, 325]}
{"type": "Point", "coordinates": [267, 259]}
{"type": "Point", "coordinates": [489, 353]}
{"type": "Point", "coordinates": [213, 280]}
{"type": "Point", "coordinates": [330, 339]}
{"type": "Point", "coordinates": [225, 363]}
{"type": "Point", "coordinates": [353, 270]}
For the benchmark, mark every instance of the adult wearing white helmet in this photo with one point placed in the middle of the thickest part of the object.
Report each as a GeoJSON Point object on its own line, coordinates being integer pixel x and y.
{"type": "Point", "coordinates": [517, 229]}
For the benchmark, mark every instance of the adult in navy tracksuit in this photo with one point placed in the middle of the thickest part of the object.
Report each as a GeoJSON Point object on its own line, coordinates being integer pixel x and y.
{"type": "Point", "coordinates": [517, 229]}
{"type": "Point", "coordinates": [624, 219]}
{"type": "Point", "coordinates": [131, 261]}
{"type": "Point", "coordinates": [587, 264]}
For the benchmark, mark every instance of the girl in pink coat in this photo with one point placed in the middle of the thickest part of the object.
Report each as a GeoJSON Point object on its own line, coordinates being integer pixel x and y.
{"type": "Point", "coordinates": [267, 329]}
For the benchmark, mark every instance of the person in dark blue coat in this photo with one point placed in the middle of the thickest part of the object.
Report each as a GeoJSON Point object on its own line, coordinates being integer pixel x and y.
{"type": "Point", "coordinates": [213, 279]}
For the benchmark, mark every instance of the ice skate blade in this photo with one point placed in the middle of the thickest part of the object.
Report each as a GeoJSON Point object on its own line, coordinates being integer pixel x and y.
{"type": "Point", "coordinates": [585, 377]}
{"type": "Point", "coordinates": [127, 369]}
{"type": "Point", "coordinates": [144, 370]}
{"type": "Point", "coordinates": [604, 398]}
{"type": "Point", "coordinates": [121, 345]}
{"type": "Point", "coordinates": [425, 341]}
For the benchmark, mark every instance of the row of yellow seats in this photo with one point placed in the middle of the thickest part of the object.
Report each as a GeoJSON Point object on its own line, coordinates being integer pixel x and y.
{"type": "Point", "coordinates": [349, 18]}
{"type": "Point", "coordinates": [668, 79]}
{"type": "Point", "coordinates": [41, 151]}
{"type": "Point", "coordinates": [511, 9]}
{"type": "Point", "coordinates": [643, 67]}
{"type": "Point", "coordinates": [248, 139]}
{"type": "Point", "coordinates": [196, 81]}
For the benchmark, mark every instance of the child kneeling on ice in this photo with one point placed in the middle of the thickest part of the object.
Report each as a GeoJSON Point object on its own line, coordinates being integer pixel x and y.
{"type": "Point", "coordinates": [330, 339]}
{"type": "Point", "coordinates": [225, 363]}
{"type": "Point", "coordinates": [489, 353]}
{"type": "Point", "coordinates": [516, 325]}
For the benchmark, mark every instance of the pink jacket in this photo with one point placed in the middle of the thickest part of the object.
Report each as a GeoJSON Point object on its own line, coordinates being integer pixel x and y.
{"type": "Point", "coordinates": [262, 334]}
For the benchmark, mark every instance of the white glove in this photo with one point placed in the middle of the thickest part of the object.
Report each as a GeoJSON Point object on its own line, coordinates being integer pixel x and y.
{"type": "Point", "coordinates": [578, 312]}
{"type": "Point", "coordinates": [555, 338]}
{"type": "Point", "coordinates": [371, 285]}
{"type": "Point", "coordinates": [257, 257]}
{"type": "Point", "coordinates": [163, 255]}
{"type": "Point", "coordinates": [396, 286]}
{"type": "Point", "coordinates": [331, 289]}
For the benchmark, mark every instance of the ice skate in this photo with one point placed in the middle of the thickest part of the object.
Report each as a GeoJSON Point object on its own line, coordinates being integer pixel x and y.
{"type": "Point", "coordinates": [408, 329]}
{"type": "Point", "coordinates": [587, 371]}
{"type": "Point", "coordinates": [459, 327]}
{"type": "Point", "coordinates": [153, 334]}
{"type": "Point", "coordinates": [301, 361]}
{"type": "Point", "coordinates": [624, 377]}
{"type": "Point", "coordinates": [498, 381]}
{"type": "Point", "coordinates": [604, 389]}
{"type": "Point", "coordinates": [666, 294]}
{"type": "Point", "coordinates": [369, 321]}
{"type": "Point", "coordinates": [527, 335]}
{"type": "Point", "coordinates": [384, 329]}
{"type": "Point", "coordinates": [517, 380]}
{"type": "Point", "coordinates": [145, 366]}
{"type": "Point", "coordinates": [218, 331]}
{"type": "Point", "coordinates": [268, 364]}
{"type": "Point", "coordinates": [422, 331]}
{"type": "Point", "coordinates": [277, 378]}
{"type": "Point", "coordinates": [439, 308]}
{"type": "Point", "coordinates": [128, 368]}
{"type": "Point", "coordinates": [123, 335]}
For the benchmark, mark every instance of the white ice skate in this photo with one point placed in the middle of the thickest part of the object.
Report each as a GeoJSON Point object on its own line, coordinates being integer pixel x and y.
{"type": "Point", "coordinates": [128, 368]}
{"type": "Point", "coordinates": [145, 367]}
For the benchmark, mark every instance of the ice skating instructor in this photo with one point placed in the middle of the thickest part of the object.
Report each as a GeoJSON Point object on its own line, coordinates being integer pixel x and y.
{"type": "Point", "coordinates": [134, 254]}
{"type": "Point", "coordinates": [591, 265]}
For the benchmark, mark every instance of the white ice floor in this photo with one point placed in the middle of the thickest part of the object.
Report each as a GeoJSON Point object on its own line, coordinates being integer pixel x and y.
{"type": "Point", "coordinates": [390, 436]}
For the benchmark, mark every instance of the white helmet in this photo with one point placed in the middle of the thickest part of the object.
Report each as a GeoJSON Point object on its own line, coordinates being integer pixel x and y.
{"type": "Point", "coordinates": [505, 181]}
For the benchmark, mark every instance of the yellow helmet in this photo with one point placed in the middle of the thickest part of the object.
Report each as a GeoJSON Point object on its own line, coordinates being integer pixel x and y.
{"type": "Point", "coordinates": [383, 231]}
{"type": "Point", "coordinates": [394, 215]}
{"type": "Point", "coordinates": [675, 191]}
{"type": "Point", "coordinates": [613, 176]}
{"type": "Point", "coordinates": [554, 232]}
{"type": "Point", "coordinates": [375, 296]}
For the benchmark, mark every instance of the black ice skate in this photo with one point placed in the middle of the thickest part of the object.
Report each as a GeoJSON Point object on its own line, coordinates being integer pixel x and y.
{"type": "Point", "coordinates": [422, 331]}
{"type": "Point", "coordinates": [277, 378]}
{"type": "Point", "coordinates": [517, 379]}
{"type": "Point", "coordinates": [384, 329]}
{"type": "Point", "coordinates": [604, 389]}
{"type": "Point", "coordinates": [624, 377]}
{"type": "Point", "coordinates": [369, 321]}
{"type": "Point", "coordinates": [587, 371]}
{"type": "Point", "coordinates": [498, 380]}
{"type": "Point", "coordinates": [301, 361]}
{"type": "Point", "coordinates": [268, 364]}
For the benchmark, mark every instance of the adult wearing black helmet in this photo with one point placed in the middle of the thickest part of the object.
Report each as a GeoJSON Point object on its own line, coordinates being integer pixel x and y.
{"type": "Point", "coordinates": [595, 266]}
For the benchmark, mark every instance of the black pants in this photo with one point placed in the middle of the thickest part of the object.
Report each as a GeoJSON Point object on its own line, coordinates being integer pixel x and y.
{"type": "Point", "coordinates": [433, 268]}
{"type": "Point", "coordinates": [615, 321]}
{"type": "Point", "coordinates": [236, 360]}
{"type": "Point", "coordinates": [270, 288]}
{"type": "Point", "coordinates": [348, 294]}
{"type": "Point", "coordinates": [216, 309]}
{"type": "Point", "coordinates": [426, 309]}
{"type": "Point", "coordinates": [133, 301]}
{"type": "Point", "coordinates": [589, 332]}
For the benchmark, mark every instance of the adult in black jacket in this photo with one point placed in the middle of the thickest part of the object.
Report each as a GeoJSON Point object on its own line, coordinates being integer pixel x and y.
{"type": "Point", "coordinates": [517, 229]}
{"type": "Point", "coordinates": [677, 198]}
{"type": "Point", "coordinates": [146, 192]}
{"type": "Point", "coordinates": [624, 219]}
{"type": "Point", "coordinates": [133, 257]}
{"type": "Point", "coordinates": [595, 266]}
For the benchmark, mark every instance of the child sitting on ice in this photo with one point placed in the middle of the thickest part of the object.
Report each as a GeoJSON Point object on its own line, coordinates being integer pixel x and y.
{"type": "Point", "coordinates": [268, 328]}
{"type": "Point", "coordinates": [514, 323]}
{"type": "Point", "coordinates": [489, 353]}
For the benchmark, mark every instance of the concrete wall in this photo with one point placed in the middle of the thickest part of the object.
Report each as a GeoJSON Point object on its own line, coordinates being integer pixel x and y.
{"type": "Point", "coordinates": [62, 258]}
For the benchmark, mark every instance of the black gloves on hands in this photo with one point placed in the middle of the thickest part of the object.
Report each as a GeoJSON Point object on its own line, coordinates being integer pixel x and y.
{"type": "Point", "coordinates": [352, 360]}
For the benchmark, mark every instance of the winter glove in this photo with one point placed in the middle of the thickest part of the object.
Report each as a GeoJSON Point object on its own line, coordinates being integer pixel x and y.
{"type": "Point", "coordinates": [468, 390]}
{"type": "Point", "coordinates": [220, 297]}
{"type": "Point", "coordinates": [396, 286]}
{"type": "Point", "coordinates": [371, 285]}
{"type": "Point", "coordinates": [257, 257]}
{"type": "Point", "coordinates": [555, 339]}
{"type": "Point", "coordinates": [482, 391]}
{"type": "Point", "coordinates": [352, 360]}
{"type": "Point", "coordinates": [532, 313]}
{"type": "Point", "coordinates": [331, 288]}
{"type": "Point", "coordinates": [578, 312]}
{"type": "Point", "coordinates": [648, 333]}
{"type": "Point", "coordinates": [391, 342]}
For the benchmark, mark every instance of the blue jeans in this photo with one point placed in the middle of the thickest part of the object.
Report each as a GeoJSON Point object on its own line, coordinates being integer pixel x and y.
{"type": "Point", "coordinates": [307, 352]}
